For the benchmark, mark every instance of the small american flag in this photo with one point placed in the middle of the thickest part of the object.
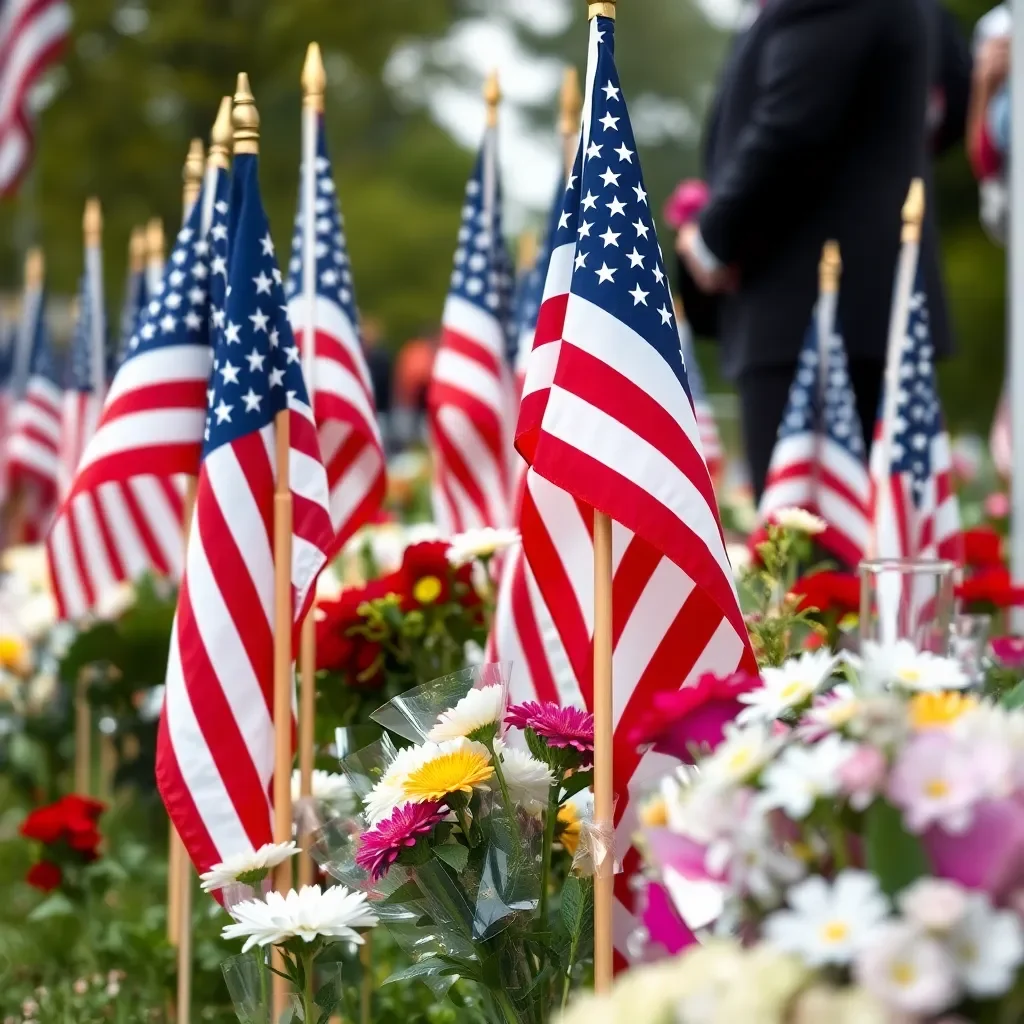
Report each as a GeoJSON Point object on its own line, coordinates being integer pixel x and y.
{"type": "Point", "coordinates": [8, 341]}
{"type": "Point", "coordinates": [321, 290]}
{"type": "Point", "coordinates": [710, 442]}
{"type": "Point", "coordinates": [819, 462]}
{"type": "Point", "coordinates": [215, 749]}
{"type": "Point", "coordinates": [607, 422]}
{"type": "Point", "coordinates": [32, 35]}
{"type": "Point", "coordinates": [123, 515]}
{"type": "Point", "coordinates": [33, 448]}
{"type": "Point", "coordinates": [470, 401]}
{"type": "Point", "coordinates": [914, 508]}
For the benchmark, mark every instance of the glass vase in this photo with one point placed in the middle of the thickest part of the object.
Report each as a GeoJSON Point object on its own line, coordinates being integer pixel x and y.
{"type": "Point", "coordinates": [250, 985]}
{"type": "Point", "coordinates": [907, 600]}
{"type": "Point", "coordinates": [968, 640]}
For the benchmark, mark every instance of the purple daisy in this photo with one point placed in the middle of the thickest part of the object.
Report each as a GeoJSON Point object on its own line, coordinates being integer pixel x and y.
{"type": "Point", "coordinates": [380, 846]}
{"type": "Point", "coordinates": [559, 726]}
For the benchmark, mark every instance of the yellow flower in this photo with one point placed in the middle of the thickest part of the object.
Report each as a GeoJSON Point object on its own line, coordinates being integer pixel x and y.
{"type": "Point", "coordinates": [569, 836]}
{"type": "Point", "coordinates": [13, 653]}
{"type": "Point", "coordinates": [427, 590]}
{"type": "Point", "coordinates": [935, 710]}
{"type": "Point", "coordinates": [456, 771]}
{"type": "Point", "coordinates": [654, 813]}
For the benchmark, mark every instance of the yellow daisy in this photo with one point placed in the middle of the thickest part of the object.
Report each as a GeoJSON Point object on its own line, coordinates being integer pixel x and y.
{"type": "Point", "coordinates": [455, 771]}
{"type": "Point", "coordinates": [569, 833]}
{"type": "Point", "coordinates": [654, 813]}
{"type": "Point", "coordinates": [13, 653]}
{"type": "Point", "coordinates": [936, 710]}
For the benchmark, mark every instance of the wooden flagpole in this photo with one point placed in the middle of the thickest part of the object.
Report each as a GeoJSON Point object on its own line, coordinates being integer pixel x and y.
{"type": "Point", "coordinates": [569, 118]}
{"type": "Point", "coordinates": [604, 801]}
{"type": "Point", "coordinates": [314, 84]}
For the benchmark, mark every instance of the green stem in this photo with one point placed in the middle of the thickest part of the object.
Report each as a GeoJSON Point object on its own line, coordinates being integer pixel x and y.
{"type": "Point", "coordinates": [306, 977]}
{"type": "Point", "coordinates": [573, 945]}
{"type": "Point", "coordinates": [460, 813]}
{"type": "Point", "coordinates": [550, 820]}
{"type": "Point", "coordinates": [837, 840]}
{"type": "Point", "coordinates": [508, 1011]}
{"type": "Point", "coordinates": [261, 965]}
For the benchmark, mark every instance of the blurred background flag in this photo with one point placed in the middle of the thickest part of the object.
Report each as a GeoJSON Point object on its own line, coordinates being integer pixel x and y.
{"type": "Point", "coordinates": [136, 297]}
{"type": "Point", "coordinates": [469, 403]}
{"type": "Point", "coordinates": [321, 290]}
{"type": "Point", "coordinates": [710, 442]}
{"type": "Point", "coordinates": [32, 35]}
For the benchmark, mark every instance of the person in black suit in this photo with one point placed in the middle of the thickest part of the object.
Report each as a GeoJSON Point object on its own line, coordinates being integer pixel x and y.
{"type": "Point", "coordinates": [819, 125]}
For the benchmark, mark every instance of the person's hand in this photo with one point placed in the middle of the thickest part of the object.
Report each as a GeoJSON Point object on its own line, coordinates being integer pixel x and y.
{"type": "Point", "coordinates": [712, 282]}
{"type": "Point", "coordinates": [992, 66]}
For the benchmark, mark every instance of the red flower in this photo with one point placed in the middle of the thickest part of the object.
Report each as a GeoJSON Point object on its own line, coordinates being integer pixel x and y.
{"type": "Point", "coordinates": [991, 586]}
{"type": "Point", "coordinates": [44, 876]}
{"type": "Point", "coordinates": [44, 824]}
{"type": "Point", "coordinates": [335, 649]}
{"type": "Point", "coordinates": [828, 591]}
{"type": "Point", "coordinates": [428, 561]}
{"type": "Point", "coordinates": [983, 547]}
{"type": "Point", "coordinates": [694, 716]}
{"type": "Point", "coordinates": [71, 819]}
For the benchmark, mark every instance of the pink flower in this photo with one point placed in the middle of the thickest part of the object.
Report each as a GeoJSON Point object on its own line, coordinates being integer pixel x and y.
{"type": "Point", "coordinates": [664, 925]}
{"type": "Point", "coordinates": [380, 846]}
{"type": "Point", "coordinates": [1009, 651]}
{"type": "Point", "coordinates": [934, 782]}
{"type": "Point", "coordinates": [692, 718]}
{"type": "Point", "coordinates": [997, 505]}
{"type": "Point", "coordinates": [686, 201]}
{"type": "Point", "coordinates": [863, 776]}
{"type": "Point", "coordinates": [559, 726]}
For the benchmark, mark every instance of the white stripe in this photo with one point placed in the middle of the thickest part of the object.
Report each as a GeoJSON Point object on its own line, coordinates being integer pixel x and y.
{"type": "Point", "coordinates": [470, 321]}
{"type": "Point", "coordinates": [140, 430]}
{"type": "Point", "coordinates": [354, 484]}
{"type": "Point", "coordinates": [161, 518]}
{"type": "Point", "coordinates": [121, 526]}
{"type": "Point", "coordinates": [468, 376]}
{"type": "Point", "coordinates": [174, 364]}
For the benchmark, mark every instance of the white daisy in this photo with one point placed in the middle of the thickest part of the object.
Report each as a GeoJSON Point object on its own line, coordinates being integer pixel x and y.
{"type": "Point", "coordinates": [742, 753]}
{"type": "Point", "coordinates": [800, 521]}
{"type": "Point", "coordinates": [988, 947]}
{"type": "Point", "coordinates": [528, 779]}
{"type": "Point", "coordinates": [247, 868]}
{"type": "Point", "coordinates": [309, 914]}
{"type": "Point", "coordinates": [329, 788]}
{"type": "Point", "coordinates": [792, 684]}
{"type": "Point", "coordinates": [829, 924]}
{"type": "Point", "coordinates": [901, 665]}
{"type": "Point", "coordinates": [830, 712]}
{"type": "Point", "coordinates": [477, 715]}
{"type": "Point", "coordinates": [803, 774]}
{"type": "Point", "coordinates": [480, 544]}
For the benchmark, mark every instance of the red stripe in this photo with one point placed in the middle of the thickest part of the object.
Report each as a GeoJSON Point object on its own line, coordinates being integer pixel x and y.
{"type": "Point", "coordinates": [471, 348]}
{"type": "Point", "coordinates": [529, 636]}
{"type": "Point", "coordinates": [140, 520]}
{"type": "Point", "coordinates": [157, 396]}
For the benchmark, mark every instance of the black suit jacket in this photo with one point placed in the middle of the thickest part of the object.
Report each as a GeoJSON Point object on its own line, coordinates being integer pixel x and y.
{"type": "Point", "coordinates": [819, 127]}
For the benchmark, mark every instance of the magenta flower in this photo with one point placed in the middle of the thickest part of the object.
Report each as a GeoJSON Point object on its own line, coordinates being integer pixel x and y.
{"type": "Point", "coordinates": [559, 726]}
{"type": "Point", "coordinates": [380, 846]}
{"type": "Point", "coordinates": [1009, 651]}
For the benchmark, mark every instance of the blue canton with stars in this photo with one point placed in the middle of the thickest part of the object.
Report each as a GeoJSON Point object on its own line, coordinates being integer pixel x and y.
{"type": "Point", "coordinates": [619, 265]}
{"type": "Point", "coordinates": [80, 368]}
{"type": "Point", "coordinates": [180, 313]}
{"type": "Point", "coordinates": [333, 269]}
{"type": "Point", "coordinates": [256, 365]}
{"type": "Point", "coordinates": [821, 398]}
{"type": "Point", "coordinates": [483, 268]}
{"type": "Point", "coordinates": [918, 413]}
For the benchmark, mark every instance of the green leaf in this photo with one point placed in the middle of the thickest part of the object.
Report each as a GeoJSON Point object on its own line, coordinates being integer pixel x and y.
{"type": "Point", "coordinates": [55, 905]}
{"type": "Point", "coordinates": [455, 855]}
{"type": "Point", "coordinates": [577, 906]}
{"type": "Point", "coordinates": [575, 783]}
{"type": "Point", "coordinates": [893, 855]}
{"type": "Point", "coordinates": [405, 893]}
{"type": "Point", "coordinates": [1014, 699]}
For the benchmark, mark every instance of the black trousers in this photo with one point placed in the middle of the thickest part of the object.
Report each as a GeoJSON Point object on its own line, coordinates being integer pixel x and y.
{"type": "Point", "coordinates": [763, 393]}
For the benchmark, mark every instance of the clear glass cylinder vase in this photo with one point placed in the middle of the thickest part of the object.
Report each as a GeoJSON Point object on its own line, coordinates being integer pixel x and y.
{"type": "Point", "coordinates": [250, 985]}
{"type": "Point", "coordinates": [907, 600]}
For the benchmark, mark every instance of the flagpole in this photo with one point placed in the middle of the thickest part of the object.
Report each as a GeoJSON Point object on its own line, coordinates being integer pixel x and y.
{"type": "Point", "coordinates": [92, 226]}
{"type": "Point", "coordinates": [604, 805]}
{"type": "Point", "coordinates": [137, 250]}
{"type": "Point", "coordinates": [314, 84]}
{"type": "Point", "coordinates": [569, 120]}
{"type": "Point", "coordinates": [829, 269]}
{"type": "Point", "coordinates": [192, 177]}
{"type": "Point", "coordinates": [154, 255]}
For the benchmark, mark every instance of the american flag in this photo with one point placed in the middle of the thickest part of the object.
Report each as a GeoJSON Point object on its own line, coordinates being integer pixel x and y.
{"type": "Point", "coordinates": [710, 442]}
{"type": "Point", "coordinates": [1000, 438]}
{"type": "Point", "coordinates": [32, 34]}
{"type": "Point", "coordinates": [123, 515]}
{"type": "Point", "coordinates": [136, 301]}
{"type": "Point", "coordinates": [320, 291]}
{"type": "Point", "coordinates": [470, 399]}
{"type": "Point", "coordinates": [33, 448]}
{"type": "Point", "coordinates": [819, 462]}
{"type": "Point", "coordinates": [215, 749]}
{"type": "Point", "coordinates": [607, 422]}
{"type": "Point", "coordinates": [8, 341]}
{"type": "Point", "coordinates": [914, 508]}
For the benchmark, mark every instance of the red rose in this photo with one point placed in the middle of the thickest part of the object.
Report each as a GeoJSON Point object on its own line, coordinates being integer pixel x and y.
{"type": "Point", "coordinates": [70, 816]}
{"type": "Point", "coordinates": [84, 840]}
{"type": "Point", "coordinates": [828, 591]}
{"type": "Point", "coordinates": [44, 876]}
{"type": "Point", "coordinates": [983, 547]}
{"type": "Point", "coordinates": [693, 716]}
{"type": "Point", "coordinates": [44, 824]}
{"type": "Point", "coordinates": [82, 806]}
{"type": "Point", "coordinates": [991, 586]}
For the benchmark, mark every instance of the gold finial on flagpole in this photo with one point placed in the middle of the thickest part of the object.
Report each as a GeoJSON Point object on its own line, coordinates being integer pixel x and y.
{"type": "Point", "coordinates": [35, 267]}
{"type": "Point", "coordinates": [492, 97]}
{"type": "Point", "coordinates": [830, 267]}
{"type": "Point", "coordinates": [526, 255]}
{"type": "Point", "coordinates": [221, 137]}
{"type": "Point", "coordinates": [600, 9]}
{"type": "Point", "coordinates": [571, 104]}
{"type": "Point", "coordinates": [245, 118]}
{"type": "Point", "coordinates": [192, 173]}
{"type": "Point", "coordinates": [913, 211]}
{"type": "Point", "coordinates": [314, 79]}
{"type": "Point", "coordinates": [92, 221]}
{"type": "Point", "coordinates": [137, 250]}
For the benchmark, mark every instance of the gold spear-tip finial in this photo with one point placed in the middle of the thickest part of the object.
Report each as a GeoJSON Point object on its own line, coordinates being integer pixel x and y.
{"type": "Point", "coordinates": [137, 249]}
{"type": "Point", "coordinates": [492, 97]}
{"type": "Point", "coordinates": [155, 240]}
{"type": "Point", "coordinates": [192, 172]}
{"type": "Point", "coordinates": [35, 267]}
{"type": "Point", "coordinates": [314, 78]}
{"type": "Point", "coordinates": [913, 211]}
{"type": "Point", "coordinates": [245, 118]}
{"type": "Point", "coordinates": [830, 268]}
{"type": "Point", "coordinates": [221, 137]}
{"type": "Point", "coordinates": [600, 9]}
{"type": "Point", "coordinates": [92, 221]}
{"type": "Point", "coordinates": [571, 107]}
{"type": "Point", "coordinates": [526, 254]}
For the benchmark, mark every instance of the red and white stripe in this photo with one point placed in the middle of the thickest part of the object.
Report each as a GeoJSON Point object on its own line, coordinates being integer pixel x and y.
{"type": "Point", "coordinates": [215, 750]}
{"type": "Point", "coordinates": [32, 34]}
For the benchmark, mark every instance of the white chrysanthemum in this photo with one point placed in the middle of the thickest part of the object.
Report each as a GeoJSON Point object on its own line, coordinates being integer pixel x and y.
{"type": "Point", "coordinates": [800, 520]}
{"type": "Point", "coordinates": [792, 684]}
{"type": "Point", "coordinates": [832, 712]}
{"type": "Point", "coordinates": [479, 709]}
{"type": "Point", "coordinates": [803, 774]}
{"type": "Point", "coordinates": [330, 788]}
{"type": "Point", "coordinates": [742, 753]}
{"type": "Point", "coordinates": [247, 868]}
{"type": "Point", "coordinates": [309, 914]}
{"type": "Point", "coordinates": [528, 779]}
{"type": "Point", "coordinates": [901, 665]}
{"type": "Point", "coordinates": [482, 543]}
{"type": "Point", "coordinates": [988, 947]}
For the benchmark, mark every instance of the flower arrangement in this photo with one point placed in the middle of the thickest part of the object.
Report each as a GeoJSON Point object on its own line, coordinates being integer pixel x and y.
{"type": "Point", "coordinates": [68, 834]}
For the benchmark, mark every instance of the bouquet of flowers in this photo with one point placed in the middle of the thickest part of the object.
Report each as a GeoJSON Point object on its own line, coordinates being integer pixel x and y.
{"type": "Point", "coordinates": [464, 833]}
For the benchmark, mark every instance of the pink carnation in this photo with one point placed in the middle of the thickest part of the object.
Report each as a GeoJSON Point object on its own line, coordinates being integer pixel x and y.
{"type": "Point", "coordinates": [1009, 651]}
{"type": "Point", "coordinates": [380, 846]}
{"type": "Point", "coordinates": [559, 726]}
{"type": "Point", "coordinates": [687, 200]}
